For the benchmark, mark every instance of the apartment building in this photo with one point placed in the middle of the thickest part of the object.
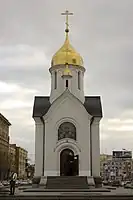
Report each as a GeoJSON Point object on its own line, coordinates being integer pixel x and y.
{"type": "Point", "coordinates": [4, 146]}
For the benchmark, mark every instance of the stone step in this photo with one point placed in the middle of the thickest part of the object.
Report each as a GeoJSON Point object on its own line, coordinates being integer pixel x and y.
{"type": "Point", "coordinates": [68, 182]}
{"type": "Point", "coordinates": [66, 177]}
{"type": "Point", "coordinates": [67, 187]}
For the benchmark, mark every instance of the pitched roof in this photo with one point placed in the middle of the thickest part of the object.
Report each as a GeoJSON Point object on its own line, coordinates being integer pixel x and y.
{"type": "Point", "coordinates": [41, 106]}
{"type": "Point", "coordinates": [92, 104]}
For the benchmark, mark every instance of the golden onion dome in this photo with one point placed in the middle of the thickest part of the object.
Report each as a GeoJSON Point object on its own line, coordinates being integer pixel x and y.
{"type": "Point", "coordinates": [67, 72]}
{"type": "Point", "coordinates": [67, 54]}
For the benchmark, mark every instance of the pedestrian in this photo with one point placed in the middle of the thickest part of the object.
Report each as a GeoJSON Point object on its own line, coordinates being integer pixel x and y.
{"type": "Point", "coordinates": [12, 183]}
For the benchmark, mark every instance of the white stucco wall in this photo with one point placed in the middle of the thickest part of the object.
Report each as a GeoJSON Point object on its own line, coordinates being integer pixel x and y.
{"type": "Point", "coordinates": [38, 146]}
{"type": "Point", "coordinates": [73, 83]}
{"type": "Point", "coordinates": [67, 109]}
{"type": "Point", "coordinates": [95, 147]}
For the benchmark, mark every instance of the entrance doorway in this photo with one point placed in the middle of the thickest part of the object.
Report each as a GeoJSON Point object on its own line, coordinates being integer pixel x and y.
{"type": "Point", "coordinates": [69, 163]}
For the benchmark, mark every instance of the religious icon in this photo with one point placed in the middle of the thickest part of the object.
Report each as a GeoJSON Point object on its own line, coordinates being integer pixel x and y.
{"type": "Point", "coordinates": [67, 130]}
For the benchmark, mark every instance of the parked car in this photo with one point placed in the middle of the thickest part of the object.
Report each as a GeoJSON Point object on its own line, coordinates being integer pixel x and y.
{"type": "Point", "coordinates": [116, 183]}
{"type": "Point", "coordinates": [128, 185]}
{"type": "Point", "coordinates": [122, 183]}
{"type": "Point", "coordinates": [105, 182]}
{"type": "Point", "coordinates": [1, 185]}
{"type": "Point", "coordinates": [24, 182]}
{"type": "Point", "coordinates": [29, 181]}
{"type": "Point", "coordinates": [5, 183]}
{"type": "Point", "coordinates": [127, 182]}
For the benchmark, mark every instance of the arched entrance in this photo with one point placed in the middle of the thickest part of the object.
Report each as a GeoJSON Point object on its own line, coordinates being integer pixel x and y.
{"type": "Point", "coordinates": [69, 163]}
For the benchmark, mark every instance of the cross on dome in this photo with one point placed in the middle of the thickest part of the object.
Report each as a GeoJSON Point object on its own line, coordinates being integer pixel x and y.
{"type": "Point", "coordinates": [67, 54]}
{"type": "Point", "coordinates": [67, 13]}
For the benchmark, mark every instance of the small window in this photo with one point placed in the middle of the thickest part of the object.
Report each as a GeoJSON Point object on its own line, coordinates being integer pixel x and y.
{"type": "Point", "coordinates": [74, 60]}
{"type": "Point", "coordinates": [66, 83]}
{"type": "Point", "coordinates": [79, 81]}
{"type": "Point", "coordinates": [55, 80]}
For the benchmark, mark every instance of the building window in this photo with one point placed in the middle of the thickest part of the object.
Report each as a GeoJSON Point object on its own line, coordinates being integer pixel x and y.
{"type": "Point", "coordinates": [66, 83]}
{"type": "Point", "coordinates": [55, 80]}
{"type": "Point", "coordinates": [74, 60]}
{"type": "Point", "coordinates": [79, 79]}
{"type": "Point", "coordinates": [67, 130]}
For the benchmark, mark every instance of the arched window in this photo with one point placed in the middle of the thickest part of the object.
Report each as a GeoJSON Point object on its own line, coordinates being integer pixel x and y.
{"type": "Point", "coordinates": [67, 130]}
{"type": "Point", "coordinates": [55, 80]}
{"type": "Point", "coordinates": [79, 81]}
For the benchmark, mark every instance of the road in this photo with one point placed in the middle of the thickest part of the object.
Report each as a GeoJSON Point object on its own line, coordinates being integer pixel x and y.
{"type": "Point", "coordinates": [118, 191]}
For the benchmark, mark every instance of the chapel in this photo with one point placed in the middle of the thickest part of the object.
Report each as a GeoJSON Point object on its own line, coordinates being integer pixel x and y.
{"type": "Point", "coordinates": [67, 122]}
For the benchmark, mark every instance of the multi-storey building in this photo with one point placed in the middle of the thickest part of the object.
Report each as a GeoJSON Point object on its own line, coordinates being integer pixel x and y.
{"type": "Point", "coordinates": [105, 160]}
{"type": "Point", "coordinates": [21, 160]}
{"type": "Point", "coordinates": [12, 158]}
{"type": "Point", "coordinates": [17, 160]}
{"type": "Point", "coordinates": [4, 146]}
{"type": "Point", "coordinates": [118, 167]}
{"type": "Point", "coordinates": [122, 161]}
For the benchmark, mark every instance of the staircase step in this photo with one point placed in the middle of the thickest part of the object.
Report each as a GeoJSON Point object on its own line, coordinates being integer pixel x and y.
{"type": "Point", "coordinates": [67, 182]}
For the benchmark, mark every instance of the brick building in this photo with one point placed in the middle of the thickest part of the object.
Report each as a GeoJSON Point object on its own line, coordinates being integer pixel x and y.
{"type": "Point", "coordinates": [4, 146]}
{"type": "Point", "coordinates": [21, 160]}
{"type": "Point", "coordinates": [17, 160]}
{"type": "Point", "coordinates": [12, 158]}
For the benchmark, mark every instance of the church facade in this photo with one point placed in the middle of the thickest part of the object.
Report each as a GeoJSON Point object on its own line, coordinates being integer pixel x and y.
{"type": "Point", "coordinates": [67, 122]}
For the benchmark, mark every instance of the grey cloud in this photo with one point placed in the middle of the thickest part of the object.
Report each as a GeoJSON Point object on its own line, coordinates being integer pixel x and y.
{"type": "Point", "coordinates": [32, 79]}
{"type": "Point", "coordinates": [117, 141]}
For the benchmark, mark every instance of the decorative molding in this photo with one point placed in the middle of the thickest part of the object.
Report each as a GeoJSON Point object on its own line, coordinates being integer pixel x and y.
{"type": "Point", "coordinates": [90, 116]}
{"type": "Point", "coordinates": [57, 67]}
{"type": "Point", "coordinates": [96, 120]}
{"type": "Point", "coordinates": [38, 121]}
{"type": "Point", "coordinates": [67, 143]}
{"type": "Point", "coordinates": [60, 100]}
{"type": "Point", "coordinates": [66, 119]}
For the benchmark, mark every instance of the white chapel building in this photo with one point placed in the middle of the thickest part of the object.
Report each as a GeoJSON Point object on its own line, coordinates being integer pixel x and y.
{"type": "Point", "coordinates": [67, 121]}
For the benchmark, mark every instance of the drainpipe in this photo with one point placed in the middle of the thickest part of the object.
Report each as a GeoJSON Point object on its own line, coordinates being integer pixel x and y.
{"type": "Point", "coordinates": [43, 145]}
{"type": "Point", "coordinates": [91, 144]}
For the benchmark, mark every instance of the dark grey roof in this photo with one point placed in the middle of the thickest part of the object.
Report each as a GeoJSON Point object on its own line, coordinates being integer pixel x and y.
{"type": "Point", "coordinates": [92, 105]}
{"type": "Point", "coordinates": [41, 106]}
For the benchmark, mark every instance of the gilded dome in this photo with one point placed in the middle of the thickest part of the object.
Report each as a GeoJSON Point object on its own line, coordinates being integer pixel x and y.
{"type": "Point", "coordinates": [67, 54]}
{"type": "Point", "coordinates": [67, 72]}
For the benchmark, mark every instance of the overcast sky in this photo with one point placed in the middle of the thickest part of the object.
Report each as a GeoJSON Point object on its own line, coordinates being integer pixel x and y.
{"type": "Point", "coordinates": [101, 30]}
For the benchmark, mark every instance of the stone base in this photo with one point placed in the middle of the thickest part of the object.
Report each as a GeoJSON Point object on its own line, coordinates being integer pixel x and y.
{"type": "Point", "coordinates": [91, 182]}
{"type": "Point", "coordinates": [36, 181]}
{"type": "Point", "coordinates": [43, 181]}
{"type": "Point", "coordinates": [98, 181]}
{"type": "Point", "coordinates": [67, 182]}
{"type": "Point", "coordinates": [39, 181]}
